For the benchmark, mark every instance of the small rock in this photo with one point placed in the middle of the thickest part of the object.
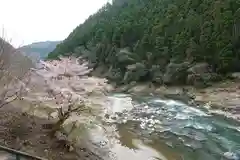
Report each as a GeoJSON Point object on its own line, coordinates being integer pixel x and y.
{"type": "Point", "coordinates": [157, 121]}
{"type": "Point", "coordinates": [150, 125]}
{"type": "Point", "coordinates": [24, 114]}
{"type": "Point", "coordinates": [124, 121]}
{"type": "Point", "coordinates": [70, 148]}
{"type": "Point", "coordinates": [236, 75]}
{"type": "Point", "coordinates": [231, 156]}
{"type": "Point", "coordinates": [42, 142]}
{"type": "Point", "coordinates": [114, 117]}
{"type": "Point", "coordinates": [119, 114]}
{"type": "Point", "coordinates": [107, 116]}
{"type": "Point", "coordinates": [158, 112]}
{"type": "Point", "coordinates": [26, 143]}
{"type": "Point", "coordinates": [102, 143]}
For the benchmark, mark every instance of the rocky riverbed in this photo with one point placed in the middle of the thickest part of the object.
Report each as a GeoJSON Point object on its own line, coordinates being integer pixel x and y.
{"type": "Point", "coordinates": [222, 97]}
{"type": "Point", "coordinates": [162, 128]}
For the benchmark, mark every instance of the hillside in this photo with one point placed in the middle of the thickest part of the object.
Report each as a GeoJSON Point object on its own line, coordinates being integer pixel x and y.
{"type": "Point", "coordinates": [39, 50]}
{"type": "Point", "coordinates": [167, 41]}
{"type": "Point", "coordinates": [13, 60]}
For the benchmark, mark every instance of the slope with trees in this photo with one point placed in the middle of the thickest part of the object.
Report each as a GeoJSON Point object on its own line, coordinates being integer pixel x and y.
{"type": "Point", "coordinates": [41, 107]}
{"type": "Point", "coordinates": [39, 50]}
{"type": "Point", "coordinates": [14, 71]}
{"type": "Point", "coordinates": [167, 41]}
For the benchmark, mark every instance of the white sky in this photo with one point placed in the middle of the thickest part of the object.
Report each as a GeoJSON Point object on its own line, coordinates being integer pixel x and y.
{"type": "Point", "coordinates": [27, 21]}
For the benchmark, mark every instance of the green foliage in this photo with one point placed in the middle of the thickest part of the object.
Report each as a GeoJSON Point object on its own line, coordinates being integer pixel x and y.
{"type": "Point", "coordinates": [155, 32]}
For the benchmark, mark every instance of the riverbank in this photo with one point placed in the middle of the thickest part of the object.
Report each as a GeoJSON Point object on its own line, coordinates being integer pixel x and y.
{"type": "Point", "coordinates": [54, 88]}
{"type": "Point", "coordinates": [26, 133]}
{"type": "Point", "coordinates": [30, 134]}
{"type": "Point", "coordinates": [222, 97]}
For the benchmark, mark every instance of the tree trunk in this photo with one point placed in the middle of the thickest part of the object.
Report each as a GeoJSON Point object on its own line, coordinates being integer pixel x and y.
{"type": "Point", "coordinates": [57, 127]}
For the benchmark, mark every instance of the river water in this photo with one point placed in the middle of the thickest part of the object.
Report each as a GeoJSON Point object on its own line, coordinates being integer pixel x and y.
{"type": "Point", "coordinates": [150, 127]}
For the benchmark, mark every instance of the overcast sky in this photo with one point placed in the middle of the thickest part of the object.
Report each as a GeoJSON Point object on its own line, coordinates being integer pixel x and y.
{"type": "Point", "coordinates": [27, 21]}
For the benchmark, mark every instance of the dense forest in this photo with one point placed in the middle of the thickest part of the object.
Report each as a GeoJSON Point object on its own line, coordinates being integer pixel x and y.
{"type": "Point", "coordinates": [162, 41]}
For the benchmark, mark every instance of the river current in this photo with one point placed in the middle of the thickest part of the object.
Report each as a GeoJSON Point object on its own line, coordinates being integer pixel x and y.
{"type": "Point", "coordinates": [150, 127]}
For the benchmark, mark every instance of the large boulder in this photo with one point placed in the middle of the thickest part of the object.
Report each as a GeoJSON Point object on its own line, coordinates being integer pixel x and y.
{"type": "Point", "coordinates": [114, 75]}
{"type": "Point", "coordinates": [197, 73]}
{"type": "Point", "coordinates": [157, 74]}
{"type": "Point", "coordinates": [124, 56]}
{"type": "Point", "coordinates": [201, 75]}
{"type": "Point", "coordinates": [176, 73]}
{"type": "Point", "coordinates": [235, 75]}
{"type": "Point", "coordinates": [200, 68]}
{"type": "Point", "coordinates": [135, 72]}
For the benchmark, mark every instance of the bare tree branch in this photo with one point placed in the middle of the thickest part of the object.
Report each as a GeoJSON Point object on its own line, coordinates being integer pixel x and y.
{"type": "Point", "coordinates": [8, 101]}
{"type": "Point", "coordinates": [13, 86]}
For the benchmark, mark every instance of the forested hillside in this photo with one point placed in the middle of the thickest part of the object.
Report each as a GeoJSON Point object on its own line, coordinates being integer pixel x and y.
{"type": "Point", "coordinates": [39, 50]}
{"type": "Point", "coordinates": [163, 41]}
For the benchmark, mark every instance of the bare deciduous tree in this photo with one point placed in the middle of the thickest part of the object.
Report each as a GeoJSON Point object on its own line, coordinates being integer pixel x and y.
{"type": "Point", "coordinates": [13, 86]}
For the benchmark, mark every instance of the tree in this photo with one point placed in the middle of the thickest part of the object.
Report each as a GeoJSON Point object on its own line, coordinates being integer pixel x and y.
{"type": "Point", "coordinates": [65, 111]}
{"type": "Point", "coordinates": [14, 77]}
{"type": "Point", "coordinates": [66, 90]}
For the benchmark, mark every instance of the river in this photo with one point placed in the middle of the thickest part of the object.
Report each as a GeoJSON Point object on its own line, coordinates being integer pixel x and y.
{"type": "Point", "coordinates": [150, 127]}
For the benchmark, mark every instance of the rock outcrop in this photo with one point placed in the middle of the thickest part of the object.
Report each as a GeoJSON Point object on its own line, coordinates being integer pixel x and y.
{"type": "Point", "coordinates": [135, 72]}
{"type": "Point", "coordinates": [176, 73]}
{"type": "Point", "coordinates": [201, 75]}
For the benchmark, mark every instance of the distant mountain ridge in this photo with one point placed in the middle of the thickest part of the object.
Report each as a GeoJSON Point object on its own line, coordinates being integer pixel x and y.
{"type": "Point", "coordinates": [39, 50]}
